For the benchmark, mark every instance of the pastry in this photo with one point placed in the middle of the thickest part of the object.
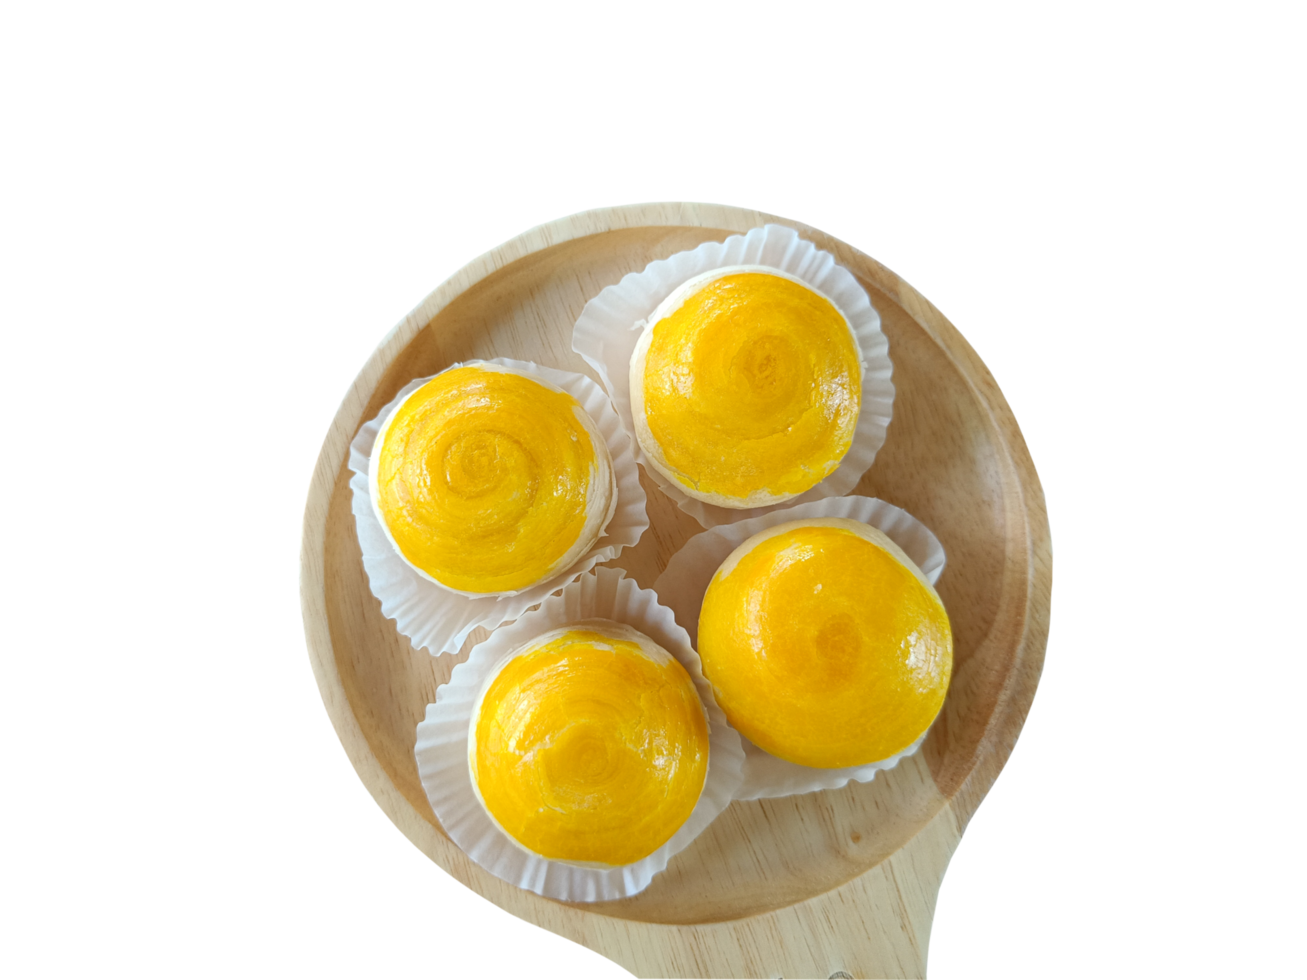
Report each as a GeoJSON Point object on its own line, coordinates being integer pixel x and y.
{"type": "Point", "coordinates": [589, 745]}
{"type": "Point", "coordinates": [824, 644]}
{"type": "Point", "coordinates": [487, 480]}
{"type": "Point", "coordinates": [746, 386]}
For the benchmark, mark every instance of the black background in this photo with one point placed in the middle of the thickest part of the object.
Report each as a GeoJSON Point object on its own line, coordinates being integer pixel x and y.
{"type": "Point", "coordinates": [999, 273]}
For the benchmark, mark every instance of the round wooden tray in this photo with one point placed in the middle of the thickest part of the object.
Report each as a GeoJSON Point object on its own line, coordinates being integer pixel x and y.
{"type": "Point", "coordinates": [842, 880]}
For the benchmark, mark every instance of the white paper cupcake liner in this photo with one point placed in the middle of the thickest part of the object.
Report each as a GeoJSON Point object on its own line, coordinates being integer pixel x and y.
{"type": "Point", "coordinates": [440, 619]}
{"type": "Point", "coordinates": [683, 584]}
{"type": "Point", "coordinates": [443, 736]}
{"type": "Point", "coordinates": [610, 325]}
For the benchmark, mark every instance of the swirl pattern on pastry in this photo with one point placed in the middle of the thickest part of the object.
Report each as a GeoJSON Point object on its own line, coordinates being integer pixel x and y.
{"type": "Point", "coordinates": [746, 387]}
{"type": "Point", "coordinates": [824, 644]}
{"type": "Point", "coordinates": [590, 745]}
{"type": "Point", "coordinates": [489, 481]}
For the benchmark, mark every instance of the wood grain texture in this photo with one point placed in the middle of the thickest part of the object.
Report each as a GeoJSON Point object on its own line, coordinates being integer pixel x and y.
{"type": "Point", "coordinates": [797, 887]}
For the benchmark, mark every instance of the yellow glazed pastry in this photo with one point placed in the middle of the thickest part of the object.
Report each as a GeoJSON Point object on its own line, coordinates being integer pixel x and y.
{"type": "Point", "coordinates": [745, 387]}
{"type": "Point", "coordinates": [487, 480]}
{"type": "Point", "coordinates": [590, 745]}
{"type": "Point", "coordinates": [824, 644]}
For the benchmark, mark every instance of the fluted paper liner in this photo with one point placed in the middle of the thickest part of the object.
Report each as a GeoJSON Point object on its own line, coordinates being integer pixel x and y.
{"type": "Point", "coordinates": [440, 619]}
{"type": "Point", "coordinates": [443, 744]}
{"type": "Point", "coordinates": [611, 323]}
{"type": "Point", "coordinates": [683, 584]}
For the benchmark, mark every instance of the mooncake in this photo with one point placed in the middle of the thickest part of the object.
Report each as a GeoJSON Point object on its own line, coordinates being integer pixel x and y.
{"type": "Point", "coordinates": [488, 480]}
{"type": "Point", "coordinates": [746, 386]}
{"type": "Point", "coordinates": [589, 745]}
{"type": "Point", "coordinates": [824, 644]}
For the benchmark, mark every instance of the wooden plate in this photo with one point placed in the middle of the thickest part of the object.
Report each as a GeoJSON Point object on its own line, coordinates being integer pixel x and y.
{"type": "Point", "coordinates": [814, 885]}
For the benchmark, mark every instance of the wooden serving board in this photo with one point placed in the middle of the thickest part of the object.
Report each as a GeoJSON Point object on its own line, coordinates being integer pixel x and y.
{"type": "Point", "coordinates": [842, 881]}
